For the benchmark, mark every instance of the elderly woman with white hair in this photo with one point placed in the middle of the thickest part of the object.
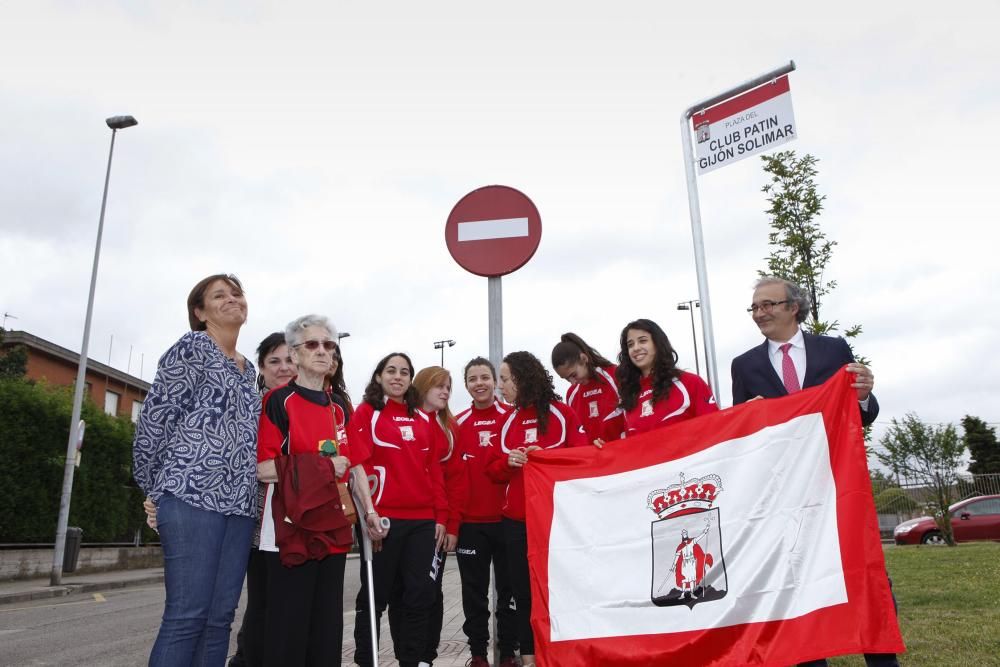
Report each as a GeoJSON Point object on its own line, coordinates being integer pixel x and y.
{"type": "Point", "coordinates": [304, 617]}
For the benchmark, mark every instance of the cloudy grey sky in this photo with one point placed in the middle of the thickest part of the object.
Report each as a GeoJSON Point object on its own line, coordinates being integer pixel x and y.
{"type": "Point", "coordinates": [316, 148]}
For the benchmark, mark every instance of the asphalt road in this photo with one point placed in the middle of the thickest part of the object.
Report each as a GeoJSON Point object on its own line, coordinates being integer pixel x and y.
{"type": "Point", "coordinates": [113, 628]}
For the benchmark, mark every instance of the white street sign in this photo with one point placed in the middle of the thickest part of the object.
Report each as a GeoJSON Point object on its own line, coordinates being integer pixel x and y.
{"type": "Point", "coordinates": [756, 121]}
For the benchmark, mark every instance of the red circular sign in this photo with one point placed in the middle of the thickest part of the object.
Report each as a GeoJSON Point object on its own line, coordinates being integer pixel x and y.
{"type": "Point", "coordinates": [493, 231]}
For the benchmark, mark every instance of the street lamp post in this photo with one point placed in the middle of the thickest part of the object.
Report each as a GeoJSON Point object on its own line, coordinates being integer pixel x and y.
{"type": "Point", "coordinates": [690, 306]}
{"type": "Point", "coordinates": [341, 335]}
{"type": "Point", "coordinates": [115, 123]}
{"type": "Point", "coordinates": [439, 345]}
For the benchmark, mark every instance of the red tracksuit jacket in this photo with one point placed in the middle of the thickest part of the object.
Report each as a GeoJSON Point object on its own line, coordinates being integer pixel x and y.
{"type": "Point", "coordinates": [689, 397]}
{"type": "Point", "coordinates": [296, 420]}
{"type": "Point", "coordinates": [521, 430]}
{"type": "Point", "coordinates": [596, 405]}
{"type": "Point", "coordinates": [401, 455]}
{"type": "Point", "coordinates": [456, 482]}
{"type": "Point", "coordinates": [479, 443]}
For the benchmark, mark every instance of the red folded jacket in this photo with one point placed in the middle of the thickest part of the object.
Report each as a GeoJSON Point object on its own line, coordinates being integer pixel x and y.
{"type": "Point", "coordinates": [309, 521]}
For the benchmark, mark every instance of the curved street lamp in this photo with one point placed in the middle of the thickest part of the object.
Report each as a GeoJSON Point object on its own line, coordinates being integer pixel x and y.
{"type": "Point", "coordinates": [115, 123]}
{"type": "Point", "coordinates": [690, 306]}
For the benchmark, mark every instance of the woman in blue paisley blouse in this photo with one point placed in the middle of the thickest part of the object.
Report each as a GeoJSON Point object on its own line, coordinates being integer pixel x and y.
{"type": "Point", "coordinates": [195, 456]}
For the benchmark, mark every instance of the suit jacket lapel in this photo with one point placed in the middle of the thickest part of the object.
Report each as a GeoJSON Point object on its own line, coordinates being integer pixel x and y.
{"type": "Point", "coordinates": [763, 360]}
{"type": "Point", "coordinates": [813, 362]}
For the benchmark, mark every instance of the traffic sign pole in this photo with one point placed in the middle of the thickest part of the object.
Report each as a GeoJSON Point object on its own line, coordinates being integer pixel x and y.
{"type": "Point", "coordinates": [496, 320]}
{"type": "Point", "coordinates": [695, 208]}
{"type": "Point", "coordinates": [491, 232]}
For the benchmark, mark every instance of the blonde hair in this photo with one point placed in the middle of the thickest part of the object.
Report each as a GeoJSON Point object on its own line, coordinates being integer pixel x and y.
{"type": "Point", "coordinates": [423, 382]}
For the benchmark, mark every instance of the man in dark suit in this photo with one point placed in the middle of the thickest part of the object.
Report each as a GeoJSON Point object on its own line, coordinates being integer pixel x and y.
{"type": "Point", "coordinates": [789, 360]}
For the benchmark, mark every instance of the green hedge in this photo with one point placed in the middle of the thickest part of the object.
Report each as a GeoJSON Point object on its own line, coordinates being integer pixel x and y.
{"type": "Point", "coordinates": [34, 429]}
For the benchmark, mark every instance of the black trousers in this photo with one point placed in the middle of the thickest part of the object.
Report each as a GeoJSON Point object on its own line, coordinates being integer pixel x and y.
{"type": "Point", "coordinates": [480, 544]}
{"type": "Point", "coordinates": [248, 639]}
{"type": "Point", "coordinates": [304, 619]}
{"type": "Point", "coordinates": [516, 535]}
{"type": "Point", "coordinates": [435, 617]}
{"type": "Point", "coordinates": [402, 574]}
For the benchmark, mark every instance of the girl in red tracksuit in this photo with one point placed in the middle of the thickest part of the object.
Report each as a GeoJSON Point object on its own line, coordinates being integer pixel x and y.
{"type": "Point", "coordinates": [400, 447]}
{"type": "Point", "coordinates": [480, 539]}
{"type": "Point", "coordinates": [540, 421]}
{"type": "Point", "coordinates": [593, 393]}
{"type": "Point", "coordinates": [655, 393]}
{"type": "Point", "coordinates": [433, 387]}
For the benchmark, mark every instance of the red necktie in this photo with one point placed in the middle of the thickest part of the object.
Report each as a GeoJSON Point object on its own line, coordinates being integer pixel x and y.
{"type": "Point", "coordinates": [788, 374]}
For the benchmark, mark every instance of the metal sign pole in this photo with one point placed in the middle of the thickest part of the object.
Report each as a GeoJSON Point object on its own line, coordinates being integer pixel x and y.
{"type": "Point", "coordinates": [496, 356]}
{"type": "Point", "coordinates": [496, 321]}
{"type": "Point", "coordinates": [708, 332]}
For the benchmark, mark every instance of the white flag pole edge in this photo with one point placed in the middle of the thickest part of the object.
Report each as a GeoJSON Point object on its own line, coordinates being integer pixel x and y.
{"type": "Point", "coordinates": [708, 332]}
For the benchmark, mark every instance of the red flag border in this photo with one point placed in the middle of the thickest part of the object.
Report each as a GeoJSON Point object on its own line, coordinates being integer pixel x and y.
{"type": "Point", "coordinates": [861, 549]}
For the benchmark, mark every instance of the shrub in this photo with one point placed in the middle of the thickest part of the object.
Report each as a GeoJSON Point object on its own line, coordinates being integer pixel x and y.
{"type": "Point", "coordinates": [34, 423]}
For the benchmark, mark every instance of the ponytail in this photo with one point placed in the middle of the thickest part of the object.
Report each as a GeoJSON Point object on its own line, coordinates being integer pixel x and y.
{"type": "Point", "coordinates": [570, 347]}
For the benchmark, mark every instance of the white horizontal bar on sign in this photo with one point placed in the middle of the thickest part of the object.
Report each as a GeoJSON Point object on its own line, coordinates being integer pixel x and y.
{"type": "Point", "coordinates": [482, 230]}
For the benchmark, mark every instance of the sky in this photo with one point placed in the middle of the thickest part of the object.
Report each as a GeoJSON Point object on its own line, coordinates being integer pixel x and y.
{"type": "Point", "coordinates": [315, 149]}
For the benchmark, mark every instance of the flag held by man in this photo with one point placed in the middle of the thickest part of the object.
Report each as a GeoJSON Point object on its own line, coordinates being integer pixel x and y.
{"type": "Point", "coordinates": [745, 537]}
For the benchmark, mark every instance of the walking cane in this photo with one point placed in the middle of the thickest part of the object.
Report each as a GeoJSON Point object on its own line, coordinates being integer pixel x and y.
{"type": "Point", "coordinates": [366, 554]}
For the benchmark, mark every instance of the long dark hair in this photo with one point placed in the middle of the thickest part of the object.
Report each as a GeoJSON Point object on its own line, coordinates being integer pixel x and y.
{"type": "Point", "coordinates": [266, 347]}
{"type": "Point", "coordinates": [568, 351]}
{"type": "Point", "coordinates": [534, 385]}
{"type": "Point", "coordinates": [664, 366]}
{"type": "Point", "coordinates": [375, 395]}
{"type": "Point", "coordinates": [338, 387]}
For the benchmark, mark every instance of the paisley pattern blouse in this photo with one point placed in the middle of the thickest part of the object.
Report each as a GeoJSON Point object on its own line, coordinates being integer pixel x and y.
{"type": "Point", "coordinates": [197, 433]}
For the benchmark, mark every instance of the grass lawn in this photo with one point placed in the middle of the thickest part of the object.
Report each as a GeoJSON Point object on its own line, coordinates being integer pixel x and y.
{"type": "Point", "coordinates": [949, 604]}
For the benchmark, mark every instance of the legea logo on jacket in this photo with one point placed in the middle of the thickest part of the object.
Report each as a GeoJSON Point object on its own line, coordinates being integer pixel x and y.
{"type": "Point", "coordinates": [688, 566]}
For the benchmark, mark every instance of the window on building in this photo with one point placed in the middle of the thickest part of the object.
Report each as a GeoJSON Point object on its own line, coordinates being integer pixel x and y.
{"type": "Point", "coordinates": [136, 409]}
{"type": "Point", "coordinates": [111, 402]}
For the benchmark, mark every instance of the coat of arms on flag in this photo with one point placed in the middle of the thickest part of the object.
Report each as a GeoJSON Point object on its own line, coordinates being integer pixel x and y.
{"type": "Point", "coordinates": [688, 566]}
{"type": "Point", "coordinates": [781, 484]}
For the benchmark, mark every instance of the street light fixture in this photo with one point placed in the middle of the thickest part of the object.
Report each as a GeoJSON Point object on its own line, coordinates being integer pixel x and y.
{"type": "Point", "coordinates": [690, 306]}
{"type": "Point", "coordinates": [115, 123]}
{"type": "Point", "coordinates": [342, 335]}
{"type": "Point", "coordinates": [439, 345]}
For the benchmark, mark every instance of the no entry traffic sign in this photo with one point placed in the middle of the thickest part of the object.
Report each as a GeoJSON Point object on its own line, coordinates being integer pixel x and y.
{"type": "Point", "coordinates": [493, 231]}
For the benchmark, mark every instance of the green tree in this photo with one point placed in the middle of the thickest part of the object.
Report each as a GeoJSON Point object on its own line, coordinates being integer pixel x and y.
{"type": "Point", "coordinates": [800, 249]}
{"type": "Point", "coordinates": [983, 446]}
{"type": "Point", "coordinates": [930, 455]}
{"type": "Point", "coordinates": [13, 361]}
{"type": "Point", "coordinates": [894, 500]}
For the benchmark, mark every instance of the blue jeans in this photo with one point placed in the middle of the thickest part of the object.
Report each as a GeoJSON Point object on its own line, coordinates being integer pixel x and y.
{"type": "Point", "coordinates": [204, 560]}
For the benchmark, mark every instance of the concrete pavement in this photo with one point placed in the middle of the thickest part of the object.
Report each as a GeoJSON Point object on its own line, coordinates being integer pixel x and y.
{"type": "Point", "coordinates": [453, 650]}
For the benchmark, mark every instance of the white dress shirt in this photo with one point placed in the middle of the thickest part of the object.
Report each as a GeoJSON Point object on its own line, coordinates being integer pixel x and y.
{"type": "Point", "coordinates": [798, 354]}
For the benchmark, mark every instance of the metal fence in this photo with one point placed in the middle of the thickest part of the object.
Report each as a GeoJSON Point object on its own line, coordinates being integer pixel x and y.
{"type": "Point", "coordinates": [898, 501]}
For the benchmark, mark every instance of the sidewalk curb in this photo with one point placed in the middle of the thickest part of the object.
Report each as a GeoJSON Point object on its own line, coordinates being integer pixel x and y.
{"type": "Point", "coordinates": [65, 590]}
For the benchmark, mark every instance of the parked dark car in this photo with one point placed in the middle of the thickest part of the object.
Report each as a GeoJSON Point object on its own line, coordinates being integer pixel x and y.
{"type": "Point", "coordinates": [971, 519]}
